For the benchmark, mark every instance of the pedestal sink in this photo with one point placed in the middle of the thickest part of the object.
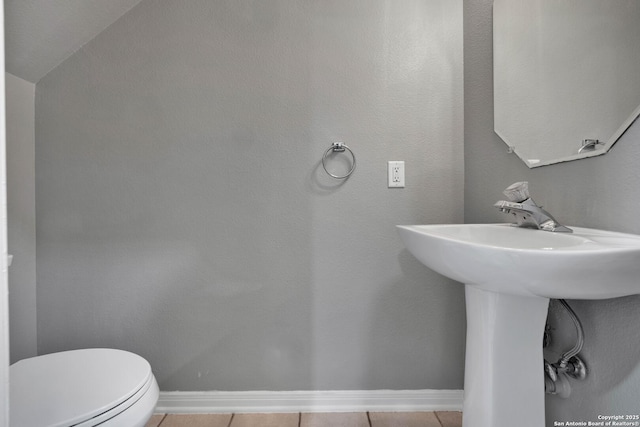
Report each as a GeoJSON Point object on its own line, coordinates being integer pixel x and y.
{"type": "Point", "coordinates": [509, 275]}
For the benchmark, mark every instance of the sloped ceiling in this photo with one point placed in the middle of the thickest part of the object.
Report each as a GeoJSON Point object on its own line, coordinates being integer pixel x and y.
{"type": "Point", "coordinates": [40, 34]}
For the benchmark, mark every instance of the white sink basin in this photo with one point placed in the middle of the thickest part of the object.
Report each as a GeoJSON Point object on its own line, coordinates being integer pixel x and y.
{"type": "Point", "coordinates": [509, 275]}
{"type": "Point", "coordinates": [585, 264]}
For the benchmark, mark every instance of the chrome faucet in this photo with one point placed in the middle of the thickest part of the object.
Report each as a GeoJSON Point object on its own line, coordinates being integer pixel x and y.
{"type": "Point", "coordinates": [526, 212]}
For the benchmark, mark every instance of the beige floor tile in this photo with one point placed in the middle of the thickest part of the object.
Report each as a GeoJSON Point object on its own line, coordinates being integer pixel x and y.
{"type": "Point", "coordinates": [450, 419]}
{"type": "Point", "coordinates": [403, 419]}
{"type": "Point", "coordinates": [155, 420]}
{"type": "Point", "coordinates": [196, 420]}
{"type": "Point", "coordinates": [265, 420]}
{"type": "Point", "coordinates": [347, 419]}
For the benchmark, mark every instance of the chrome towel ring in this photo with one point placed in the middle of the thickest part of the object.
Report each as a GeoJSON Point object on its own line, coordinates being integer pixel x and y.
{"type": "Point", "coordinates": [339, 147]}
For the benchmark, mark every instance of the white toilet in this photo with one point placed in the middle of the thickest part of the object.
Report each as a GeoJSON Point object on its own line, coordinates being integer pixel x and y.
{"type": "Point", "coordinates": [84, 388]}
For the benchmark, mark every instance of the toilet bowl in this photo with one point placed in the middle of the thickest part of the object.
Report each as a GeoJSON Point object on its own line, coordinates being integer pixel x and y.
{"type": "Point", "coordinates": [84, 388]}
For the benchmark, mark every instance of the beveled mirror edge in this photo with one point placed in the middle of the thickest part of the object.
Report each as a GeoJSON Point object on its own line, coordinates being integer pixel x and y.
{"type": "Point", "coordinates": [585, 155]}
{"type": "Point", "coordinates": [578, 156]}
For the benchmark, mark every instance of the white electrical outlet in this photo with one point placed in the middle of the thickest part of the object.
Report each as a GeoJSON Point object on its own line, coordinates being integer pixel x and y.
{"type": "Point", "coordinates": [396, 174]}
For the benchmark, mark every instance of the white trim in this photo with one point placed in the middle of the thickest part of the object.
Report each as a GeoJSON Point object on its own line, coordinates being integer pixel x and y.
{"type": "Point", "coordinates": [211, 402]}
{"type": "Point", "coordinates": [4, 281]}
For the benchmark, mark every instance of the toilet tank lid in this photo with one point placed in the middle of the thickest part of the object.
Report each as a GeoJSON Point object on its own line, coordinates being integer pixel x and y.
{"type": "Point", "coordinates": [69, 387]}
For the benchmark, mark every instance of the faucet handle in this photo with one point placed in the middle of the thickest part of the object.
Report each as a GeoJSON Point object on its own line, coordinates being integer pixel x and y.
{"type": "Point", "coordinates": [517, 192]}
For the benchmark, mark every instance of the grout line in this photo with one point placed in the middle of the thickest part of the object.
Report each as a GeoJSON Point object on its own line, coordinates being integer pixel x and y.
{"type": "Point", "coordinates": [164, 417]}
{"type": "Point", "coordinates": [162, 420]}
{"type": "Point", "coordinates": [438, 418]}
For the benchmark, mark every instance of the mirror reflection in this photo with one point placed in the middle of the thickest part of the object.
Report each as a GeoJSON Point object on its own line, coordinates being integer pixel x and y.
{"type": "Point", "coordinates": [566, 82]}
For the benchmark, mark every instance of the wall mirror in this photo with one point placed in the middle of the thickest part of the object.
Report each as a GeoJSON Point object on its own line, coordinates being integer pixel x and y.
{"type": "Point", "coordinates": [566, 74]}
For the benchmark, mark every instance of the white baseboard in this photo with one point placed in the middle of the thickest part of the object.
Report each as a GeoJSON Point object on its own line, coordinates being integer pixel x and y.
{"type": "Point", "coordinates": [211, 402]}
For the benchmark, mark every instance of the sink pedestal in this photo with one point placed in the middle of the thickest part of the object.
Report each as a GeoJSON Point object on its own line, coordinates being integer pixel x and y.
{"type": "Point", "coordinates": [510, 273]}
{"type": "Point", "coordinates": [504, 379]}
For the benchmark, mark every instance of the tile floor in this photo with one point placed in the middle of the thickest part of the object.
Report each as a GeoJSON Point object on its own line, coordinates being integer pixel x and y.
{"type": "Point", "coordinates": [356, 419]}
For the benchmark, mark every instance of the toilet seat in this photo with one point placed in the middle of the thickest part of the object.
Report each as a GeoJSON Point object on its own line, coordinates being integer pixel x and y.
{"type": "Point", "coordinates": [77, 388]}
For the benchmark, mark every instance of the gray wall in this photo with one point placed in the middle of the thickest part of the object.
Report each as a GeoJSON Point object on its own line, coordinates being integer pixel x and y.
{"type": "Point", "coordinates": [21, 216]}
{"type": "Point", "coordinates": [602, 192]}
{"type": "Point", "coordinates": [182, 212]}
